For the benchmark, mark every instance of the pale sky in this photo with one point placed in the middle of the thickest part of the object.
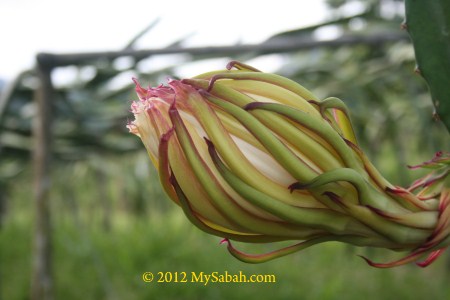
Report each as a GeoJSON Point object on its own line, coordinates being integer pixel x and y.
{"type": "Point", "coordinates": [31, 26]}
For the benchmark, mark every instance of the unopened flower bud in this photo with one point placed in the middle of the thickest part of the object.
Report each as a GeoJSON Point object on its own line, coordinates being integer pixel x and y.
{"type": "Point", "coordinates": [256, 157]}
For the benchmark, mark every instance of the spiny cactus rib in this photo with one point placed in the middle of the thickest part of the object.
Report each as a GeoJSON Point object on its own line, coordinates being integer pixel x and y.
{"type": "Point", "coordinates": [428, 23]}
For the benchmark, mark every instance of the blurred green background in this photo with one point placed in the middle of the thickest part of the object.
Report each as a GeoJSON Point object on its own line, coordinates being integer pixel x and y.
{"type": "Point", "coordinates": [111, 221]}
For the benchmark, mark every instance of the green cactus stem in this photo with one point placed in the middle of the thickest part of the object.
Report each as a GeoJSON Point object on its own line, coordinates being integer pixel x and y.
{"type": "Point", "coordinates": [428, 23]}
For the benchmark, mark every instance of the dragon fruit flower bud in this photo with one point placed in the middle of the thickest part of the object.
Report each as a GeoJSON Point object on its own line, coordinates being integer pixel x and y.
{"type": "Point", "coordinates": [256, 157]}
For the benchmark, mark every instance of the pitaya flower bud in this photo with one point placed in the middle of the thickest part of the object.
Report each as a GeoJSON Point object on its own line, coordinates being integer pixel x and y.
{"type": "Point", "coordinates": [256, 157]}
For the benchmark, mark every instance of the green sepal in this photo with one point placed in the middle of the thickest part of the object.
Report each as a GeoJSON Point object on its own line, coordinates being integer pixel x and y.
{"type": "Point", "coordinates": [325, 219]}
{"type": "Point", "coordinates": [323, 129]}
{"type": "Point", "coordinates": [403, 235]}
{"type": "Point", "coordinates": [261, 258]}
{"type": "Point", "coordinates": [269, 78]}
{"type": "Point", "coordinates": [235, 159]}
{"type": "Point", "coordinates": [341, 116]}
{"type": "Point", "coordinates": [300, 170]}
{"type": "Point", "coordinates": [164, 167]}
{"type": "Point", "coordinates": [196, 221]}
{"type": "Point", "coordinates": [171, 161]}
{"type": "Point", "coordinates": [303, 140]}
{"type": "Point", "coordinates": [366, 194]}
{"type": "Point", "coordinates": [250, 223]}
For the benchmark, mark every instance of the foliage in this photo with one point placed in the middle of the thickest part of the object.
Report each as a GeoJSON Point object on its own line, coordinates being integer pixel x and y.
{"type": "Point", "coordinates": [94, 262]}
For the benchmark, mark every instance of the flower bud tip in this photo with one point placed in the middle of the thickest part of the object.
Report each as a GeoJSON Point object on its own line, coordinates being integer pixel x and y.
{"type": "Point", "coordinates": [252, 105]}
{"type": "Point", "coordinates": [381, 212]}
{"type": "Point", "coordinates": [335, 198]}
{"type": "Point", "coordinates": [166, 136]}
{"type": "Point", "coordinates": [240, 66]}
{"type": "Point", "coordinates": [211, 82]}
{"type": "Point", "coordinates": [295, 186]}
{"type": "Point", "coordinates": [431, 258]}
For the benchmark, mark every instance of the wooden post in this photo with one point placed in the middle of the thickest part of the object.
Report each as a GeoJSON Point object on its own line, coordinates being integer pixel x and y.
{"type": "Point", "coordinates": [41, 275]}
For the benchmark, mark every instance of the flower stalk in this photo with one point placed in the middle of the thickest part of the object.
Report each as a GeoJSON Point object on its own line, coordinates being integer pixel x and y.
{"type": "Point", "coordinates": [256, 157]}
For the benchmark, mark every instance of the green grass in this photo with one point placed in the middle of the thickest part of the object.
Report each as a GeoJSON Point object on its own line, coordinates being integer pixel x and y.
{"type": "Point", "coordinates": [94, 264]}
{"type": "Point", "coordinates": [94, 261]}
